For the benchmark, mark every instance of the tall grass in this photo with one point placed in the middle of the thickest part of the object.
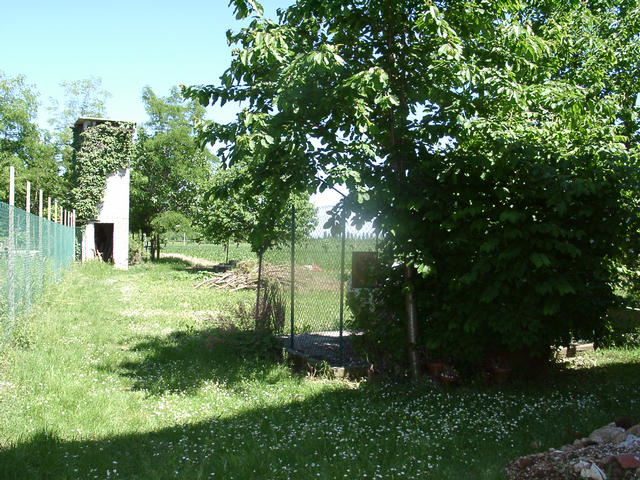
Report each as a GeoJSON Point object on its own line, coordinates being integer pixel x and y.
{"type": "Point", "coordinates": [129, 375]}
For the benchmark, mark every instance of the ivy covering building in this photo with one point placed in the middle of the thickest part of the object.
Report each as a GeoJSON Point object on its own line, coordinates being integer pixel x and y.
{"type": "Point", "coordinates": [100, 177]}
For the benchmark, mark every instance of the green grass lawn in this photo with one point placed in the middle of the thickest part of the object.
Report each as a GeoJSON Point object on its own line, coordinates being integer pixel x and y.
{"type": "Point", "coordinates": [116, 375]}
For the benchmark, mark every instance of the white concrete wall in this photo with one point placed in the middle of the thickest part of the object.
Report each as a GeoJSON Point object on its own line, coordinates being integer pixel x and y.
{"type": "Point", "coordinates": [115, 209]}
{"type": "Point", "coordinates": [88, 243]}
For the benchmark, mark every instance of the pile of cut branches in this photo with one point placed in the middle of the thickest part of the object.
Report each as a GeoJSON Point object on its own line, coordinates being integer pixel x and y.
{"type": "Point", "coordinates": [244, 277]}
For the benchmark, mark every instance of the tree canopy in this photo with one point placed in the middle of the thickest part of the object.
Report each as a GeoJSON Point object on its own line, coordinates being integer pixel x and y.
{"type": "Point", "coordinates": [169, 169]}
{"type": "Point", "coordinates": [232, 212]}
{"type": "Point", "coordinates": [22, 144]}
{"type": "Point", "coordinates": [495, 144]}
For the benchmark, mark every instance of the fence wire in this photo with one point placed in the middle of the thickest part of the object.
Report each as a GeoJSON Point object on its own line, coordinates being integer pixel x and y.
{"type": "Point", "coordinates": [33, 254]}
{"type": "Point", "coordinates": [320, 324]}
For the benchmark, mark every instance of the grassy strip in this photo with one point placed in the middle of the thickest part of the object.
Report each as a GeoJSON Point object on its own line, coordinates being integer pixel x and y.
{"type": "Point", "coordinates": [124, 375]}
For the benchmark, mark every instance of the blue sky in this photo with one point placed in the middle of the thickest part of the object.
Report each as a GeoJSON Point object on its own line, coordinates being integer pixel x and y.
{"type": "Point", "coordinates": [127, 44]}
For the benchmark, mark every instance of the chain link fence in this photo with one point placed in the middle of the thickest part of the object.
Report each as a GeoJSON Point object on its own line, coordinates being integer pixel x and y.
{"type": "Point", "coordinates": [314, 277]}
{"type": "Point", "coordinates": [33, 253]}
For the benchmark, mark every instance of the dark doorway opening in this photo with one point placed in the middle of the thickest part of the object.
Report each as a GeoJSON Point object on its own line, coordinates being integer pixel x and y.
{"type": "Point", "coordinates": [103, 237]}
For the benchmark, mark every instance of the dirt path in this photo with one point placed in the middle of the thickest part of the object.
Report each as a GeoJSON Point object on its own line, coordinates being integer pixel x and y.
{"type": "Point", "coordinates": [192, 261]}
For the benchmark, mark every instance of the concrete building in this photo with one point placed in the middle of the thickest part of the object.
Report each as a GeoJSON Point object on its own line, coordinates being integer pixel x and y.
{"type": "Point", "coordinates": [107, 236]}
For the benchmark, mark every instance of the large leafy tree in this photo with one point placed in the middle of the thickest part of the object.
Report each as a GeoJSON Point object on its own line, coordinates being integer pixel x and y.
{"type": "Point", "coordinates": [22, 144]}
{"type": "Point", "coordinates": [495, 143]}
{"type": "Point", "coordinates": [169, 170]}
{"type": "Point", "coordinates": [232, 212]}
{"type": "Point", "coordinates": [82, 98]}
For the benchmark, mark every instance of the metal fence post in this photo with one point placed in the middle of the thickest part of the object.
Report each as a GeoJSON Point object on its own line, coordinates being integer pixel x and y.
{"type": "Point", "coordinates": [340, 339]}
{"type": "Point", "coordinates": [258, 286]}
{"type": "Point", "coordinates": [293, 260]}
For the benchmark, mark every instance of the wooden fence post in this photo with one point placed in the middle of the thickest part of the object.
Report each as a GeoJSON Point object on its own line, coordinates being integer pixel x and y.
{"type": "Point", "coordinates": [40, 253]}
{"type": "Point", "coordinates": [73, 224]}
{"type": "Point", "coordinates": [27, 248]}
{"type": "Point", "coordinates": [55, 234]}
{"type": "Point", "coordinates": [11, 247]}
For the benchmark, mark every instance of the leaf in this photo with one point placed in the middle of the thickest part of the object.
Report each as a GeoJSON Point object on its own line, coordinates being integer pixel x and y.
{"type": "Point", "coordinates": [540, 260]}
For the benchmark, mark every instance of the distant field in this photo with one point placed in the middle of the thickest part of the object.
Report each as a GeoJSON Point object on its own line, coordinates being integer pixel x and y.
{"type": "Point", "coordinates": [317, 298]}
{"type": "Point", "coordinates": [324, 252]}
{"type": "Point", "coordinates": [212, 252]}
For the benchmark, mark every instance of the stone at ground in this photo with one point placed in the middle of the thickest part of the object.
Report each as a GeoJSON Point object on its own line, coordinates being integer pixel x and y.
{"type": "Point", "coordinates": [635, 430]}
{"type": "Point", "coordinates": [630, 440]}
{"type": "Point", "coordinates": [593, 472]}
{"type": "Point", "coordinates": [625, 422]}
{"type": "Point", "coordinates": [608, 434]}
{"type": "Point", "coordinates": [609, 453]}
{"type": "Point", "coordinates": [627, 461]}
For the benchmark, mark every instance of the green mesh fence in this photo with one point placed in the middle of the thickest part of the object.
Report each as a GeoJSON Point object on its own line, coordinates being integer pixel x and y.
{"type": "Point", "coordinates": [317, 300]}
{"type": "Point", "coordinates": [33, 254]}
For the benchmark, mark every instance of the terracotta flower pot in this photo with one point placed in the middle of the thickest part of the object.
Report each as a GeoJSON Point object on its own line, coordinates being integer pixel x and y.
{"type": "Point", "coordinates": [487, 376]}
{"type": "Point", "coordinates": [501, 374]}
{"type": "Point", "coordinates": [435, 367]}
{"type": "Point", "coordinates": [450, 379]}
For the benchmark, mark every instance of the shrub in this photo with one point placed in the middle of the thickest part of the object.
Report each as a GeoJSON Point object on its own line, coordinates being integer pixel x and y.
{"type": "Point", "coordinates": [271, 307]}
{"type": "Point", "coordinates": [135, 251]}
{"type": "Point", "coordinates": [622, 328]}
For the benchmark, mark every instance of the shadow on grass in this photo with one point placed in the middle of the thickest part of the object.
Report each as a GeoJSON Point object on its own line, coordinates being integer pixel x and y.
{"type": "Point", "coordinates": [262, 443]}
{"type": "Point", "coordinates": [182, 361]}
{"type": "Point", "coordinates": [229, 447]}
{"type": "Point", "coordinates": [375, 429]}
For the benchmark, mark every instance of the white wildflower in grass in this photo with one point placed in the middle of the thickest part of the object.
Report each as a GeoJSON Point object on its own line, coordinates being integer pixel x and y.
{"type": "Point", "coordinates": [143, 396]}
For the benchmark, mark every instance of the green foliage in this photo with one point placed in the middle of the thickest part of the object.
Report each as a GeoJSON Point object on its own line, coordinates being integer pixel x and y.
{"type": "Point", "coordinates": [170, 221]}
{"type": "Point", "coordinates": [271, 307]}
{"type": "Point", "coordinates": [99, 151]}
{"type": "Point", "coordinates": [169, 170]}
{"type": "Point", "coordinates": [135, 251]}
{"type": "Point", "coordinates": [82, 98]}
{"type": "Point", "coordinates": [378, 314]}
{"type": "Point", "coordinates": [23, 145]}
{"type": "Point", "coordinates": [496, 145]}
{"type": "Point", "coordinates": [232, 212]}
{"type": "Point", "coordinates": [622, 329]}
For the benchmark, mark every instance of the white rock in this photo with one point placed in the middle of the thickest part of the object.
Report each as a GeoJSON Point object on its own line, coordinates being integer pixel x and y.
{"type": "Point", "coordinates": [629, 441]}
{"type": "Point", "coordinates": [581, 465]}
{"type": "Point", "coordinates": [593, 472]}
{"type": "Point", "coordinates": [608, 434]}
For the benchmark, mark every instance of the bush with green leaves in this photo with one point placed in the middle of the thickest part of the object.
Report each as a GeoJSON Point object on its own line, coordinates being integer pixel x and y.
{"type": "Point", "coordinates": [494, 143]}
{"type": "Point", "coordinates": [136, 251]}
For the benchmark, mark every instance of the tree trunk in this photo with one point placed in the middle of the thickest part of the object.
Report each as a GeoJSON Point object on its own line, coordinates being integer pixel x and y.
{"type": "Point", "coordinates": [258, 312]}
{"type": "Point", "coordinates": [397, 131]}
{"type": "Point", "coordinates": [412, 321]}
